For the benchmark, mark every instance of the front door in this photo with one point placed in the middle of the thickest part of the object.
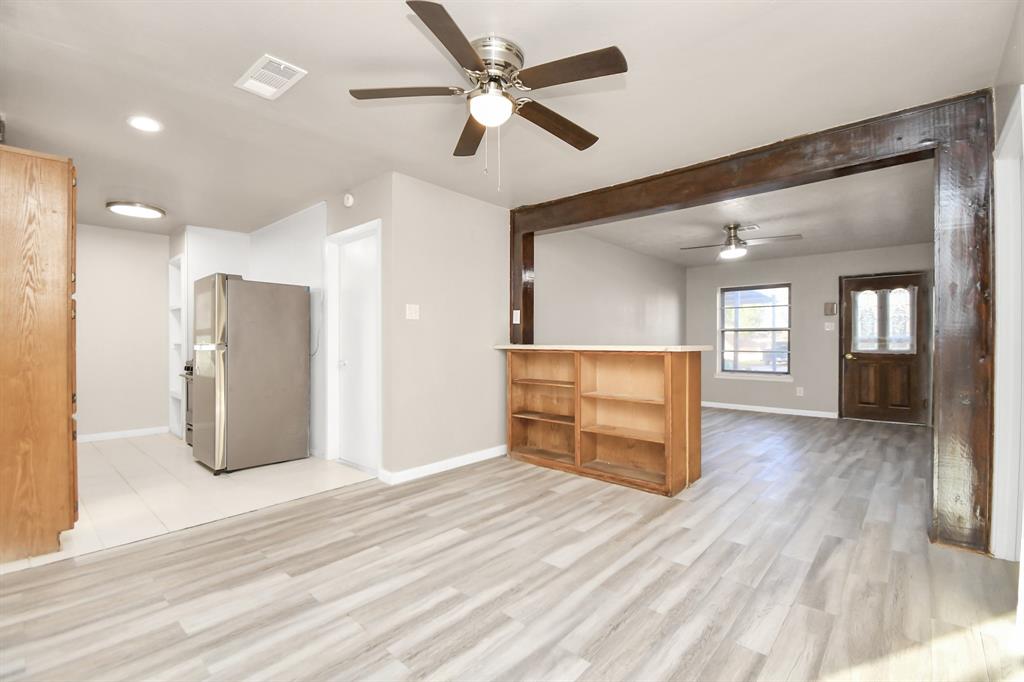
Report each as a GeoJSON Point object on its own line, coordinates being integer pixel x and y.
{"type": "Point", "coordinates": [886, 347]}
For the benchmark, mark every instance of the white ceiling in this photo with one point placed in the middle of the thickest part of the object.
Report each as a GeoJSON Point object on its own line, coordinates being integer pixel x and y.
{"type": "Point", "coordinates": [705, 79]}
{"type": "Point", "coordinates": [880, 208]}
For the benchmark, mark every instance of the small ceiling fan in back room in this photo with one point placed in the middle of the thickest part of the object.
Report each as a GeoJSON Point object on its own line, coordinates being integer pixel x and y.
{"type": "Point", "coordinates": [494, 65]}
{"type": "Point", "coordinates": [734, 247]}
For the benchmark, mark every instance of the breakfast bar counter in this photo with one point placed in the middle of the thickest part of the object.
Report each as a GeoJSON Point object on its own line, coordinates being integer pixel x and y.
{"type": "Point", "coordinates": [623, 414]}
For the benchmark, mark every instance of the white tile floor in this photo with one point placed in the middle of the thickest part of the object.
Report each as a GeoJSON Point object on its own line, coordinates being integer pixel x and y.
{"type": "Point", "coordinates": [136, 488]}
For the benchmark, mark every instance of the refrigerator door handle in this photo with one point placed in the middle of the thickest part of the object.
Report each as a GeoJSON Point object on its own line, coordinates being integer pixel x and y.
{"type": "Point", "coordinates": [210, 346]}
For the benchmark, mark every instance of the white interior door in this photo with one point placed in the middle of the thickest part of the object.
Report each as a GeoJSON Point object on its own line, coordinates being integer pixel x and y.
{"type": "Point", "coordinates": [358, 353]}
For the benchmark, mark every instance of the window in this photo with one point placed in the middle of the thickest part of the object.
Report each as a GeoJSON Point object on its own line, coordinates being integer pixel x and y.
{"type": "Point", "coordinates": [885, 320]}
{"type": "Point", "coordinates": [754, 328]}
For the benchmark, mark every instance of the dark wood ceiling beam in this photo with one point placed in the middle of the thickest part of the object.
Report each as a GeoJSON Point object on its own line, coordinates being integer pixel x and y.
{"type": "Point", "coordinates": [868, 145]}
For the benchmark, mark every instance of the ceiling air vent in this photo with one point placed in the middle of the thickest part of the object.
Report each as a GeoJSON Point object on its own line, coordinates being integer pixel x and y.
{"type": "Point", "coordinates": [269, 77]}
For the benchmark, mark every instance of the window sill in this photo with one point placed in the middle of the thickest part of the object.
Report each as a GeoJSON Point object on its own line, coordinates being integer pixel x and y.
{"type": "Point", "coordinates": [785, 378]}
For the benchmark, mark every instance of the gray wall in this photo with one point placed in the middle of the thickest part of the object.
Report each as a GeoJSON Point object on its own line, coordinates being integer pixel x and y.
{"type": "Point", "coordinates": [592, 292]}
{"type": "Point", "coordinates": [815, 352]}
{"type": "Point", "coordinates": [443, 382]}
{"type": "Point", "coordinates": [122, 342]}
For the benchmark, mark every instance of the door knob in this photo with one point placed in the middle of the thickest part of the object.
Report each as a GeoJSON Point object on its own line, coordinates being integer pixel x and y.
{"type": "Point", "coordinates": [850, 356]}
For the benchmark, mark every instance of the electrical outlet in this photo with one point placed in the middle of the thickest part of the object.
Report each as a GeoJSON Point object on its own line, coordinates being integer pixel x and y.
{"type": "Point", "coordinates": [800, 391]}
{"type": "Point", "coordinates": [830, 326]}
{"type": "Point", "coordinates": [412, 311]}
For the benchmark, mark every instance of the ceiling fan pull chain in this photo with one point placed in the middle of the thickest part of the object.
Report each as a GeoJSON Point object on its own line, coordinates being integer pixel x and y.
{"type": "Point", "coordinates": [487, 140]}
{"type": "Point", "coordinates": [498, 134]}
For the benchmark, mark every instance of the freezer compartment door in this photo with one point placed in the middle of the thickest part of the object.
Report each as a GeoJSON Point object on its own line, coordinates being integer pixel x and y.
{"type": "Point", "coordinates": [210, 310]}
{"type": "Point", "coordinates": [209, 405]}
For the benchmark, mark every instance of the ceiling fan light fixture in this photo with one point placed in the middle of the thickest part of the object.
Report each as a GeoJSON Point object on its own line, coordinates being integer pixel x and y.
{"type": "Point", "coordinates": [491, 107]}
{"type": "Point", "coordinates": [732, 252]}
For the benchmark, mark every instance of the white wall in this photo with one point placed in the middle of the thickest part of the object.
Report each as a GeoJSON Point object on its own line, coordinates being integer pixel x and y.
{"type": "Point", "coordinates": [814, 351]}
{"type": "Point", "coordinates": [122, 342]}
{"type": "Point", "coordinates": [593, 292]}
{"type": "Point", "coordinates": [443, 383]}
{"type": "Point", "coordinates": [1008, 444]}
{"type": "Point", "coordinates": [1010, 75]}
{"type": "Point", "coordinates": [291, 251]}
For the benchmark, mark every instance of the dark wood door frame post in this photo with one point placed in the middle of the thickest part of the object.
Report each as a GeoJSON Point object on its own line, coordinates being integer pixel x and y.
{"type": "Point", "coordinates": [958, 134]}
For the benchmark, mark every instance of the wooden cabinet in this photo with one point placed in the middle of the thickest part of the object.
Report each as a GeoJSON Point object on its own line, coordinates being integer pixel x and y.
{"type": "Point", "coordinates": [38, 478]}
{"type": "Point", "coordinates": [624, 416]}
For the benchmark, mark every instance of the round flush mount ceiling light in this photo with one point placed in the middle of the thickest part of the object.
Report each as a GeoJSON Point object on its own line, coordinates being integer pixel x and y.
{"type": "Point", "coordinates": [145, 124]}
{"type": "Point", "coordinates": [490, 106]}
{"type": "Point", "coordinates": [732, 252]}
{"type": "Point", "coordinates": [134, 209]}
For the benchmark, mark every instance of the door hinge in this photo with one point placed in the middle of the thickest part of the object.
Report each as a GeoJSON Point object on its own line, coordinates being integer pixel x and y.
{"type": "Point", "coordinates": [72, 278]}
{"type": "Point", "coordinates": [74, 434]}
{"type": "Point", "coordinates": [74, 398]}
{"type": "Point", "coordinates": [74, 314]}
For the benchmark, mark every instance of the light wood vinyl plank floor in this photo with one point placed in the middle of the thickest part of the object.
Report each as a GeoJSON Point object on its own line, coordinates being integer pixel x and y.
{"type": "Point", "coordinates": [801, 554]}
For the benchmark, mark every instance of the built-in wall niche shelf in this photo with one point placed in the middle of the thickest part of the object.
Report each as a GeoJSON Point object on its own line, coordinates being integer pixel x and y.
{"type": "Point", "coordinates": [176, 345]}
{"type": "Point", "coordinates": [629, 416]}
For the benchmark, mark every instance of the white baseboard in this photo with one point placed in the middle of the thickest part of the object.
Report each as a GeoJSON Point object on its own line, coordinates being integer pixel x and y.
{"type": "Point", "coordinates": [771, 410]}
{"type": "Point", "coordinates": [111, 435]}
{"type": "Point", "coordinates": [361, 467]}
{"type": "Point", "coordinates": [394, 477]}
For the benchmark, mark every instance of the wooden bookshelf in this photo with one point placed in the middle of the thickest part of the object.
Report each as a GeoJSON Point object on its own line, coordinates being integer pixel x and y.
{"type": "Point", "coordinates": [629, 416]}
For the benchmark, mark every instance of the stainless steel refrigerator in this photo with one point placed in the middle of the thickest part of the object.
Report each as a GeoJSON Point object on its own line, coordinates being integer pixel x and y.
{"type": "Point", "coordinates": [250, 385]}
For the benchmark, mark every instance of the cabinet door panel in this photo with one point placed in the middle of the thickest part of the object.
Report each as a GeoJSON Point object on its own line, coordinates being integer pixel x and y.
{"type": "Point", "coordinates": [36, 469]}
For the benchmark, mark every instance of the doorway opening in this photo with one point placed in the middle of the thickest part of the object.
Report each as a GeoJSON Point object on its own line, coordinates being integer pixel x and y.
{"type": "Point", "coordinates": [885, 347]}
{"type": "Point", "coordinates": [353, 345]}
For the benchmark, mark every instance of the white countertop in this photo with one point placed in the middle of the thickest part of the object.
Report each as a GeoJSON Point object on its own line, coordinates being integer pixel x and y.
{"type": "Point", "coordinates": [633, 349]}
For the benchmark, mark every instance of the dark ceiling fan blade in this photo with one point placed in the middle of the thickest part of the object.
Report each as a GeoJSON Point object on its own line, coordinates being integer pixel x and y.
{"type": "Point", "coordinates": [469, 141]}
{"type": "Point", "coordinates": [581, 67]}
{"type": "Point", "coordinates": [706, 246]}
{"type": "Point", "coordinates": [447, 31]}
{"type": "Point", "coordinates": [769, 240]}
{"type": "Point", "coordinates": [386, 93]}
{"type": "Point", "coordinates": [557, 125]}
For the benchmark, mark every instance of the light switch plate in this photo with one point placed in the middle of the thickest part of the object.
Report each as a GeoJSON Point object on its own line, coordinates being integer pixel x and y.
{"type": "Point", "coordinates": [830, 326]}
{"type": "Point", "coordinates": [515, 317]}
{"type": "Point", "coordinates": [412, 311]}
{"type": "Point", "coordinates": [800, 390]}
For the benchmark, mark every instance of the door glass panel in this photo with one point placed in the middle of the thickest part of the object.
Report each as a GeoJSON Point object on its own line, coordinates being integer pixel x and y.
{"type": "Point", "coordinates": [884, 320]}
{"type": "Point", "coordinates": [901, 320]}
{"type": "Point", "coordinates": [865, 321]}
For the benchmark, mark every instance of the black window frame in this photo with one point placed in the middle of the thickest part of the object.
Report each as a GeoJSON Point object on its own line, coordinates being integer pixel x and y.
{"type": "Point", "coordinates": [788, 329]}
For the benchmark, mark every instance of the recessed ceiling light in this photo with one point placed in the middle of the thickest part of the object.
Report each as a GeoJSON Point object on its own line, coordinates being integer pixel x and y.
{"type": "Point", "coordinates": [145, 124]}
{"type": "Point", "coordinates": [134, 209]}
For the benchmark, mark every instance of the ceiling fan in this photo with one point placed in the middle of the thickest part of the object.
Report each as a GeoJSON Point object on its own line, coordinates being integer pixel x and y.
{"type": "Point", "coordinates": [495, 67]}
{"type": "Point", "coordinates": [734, 247]}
